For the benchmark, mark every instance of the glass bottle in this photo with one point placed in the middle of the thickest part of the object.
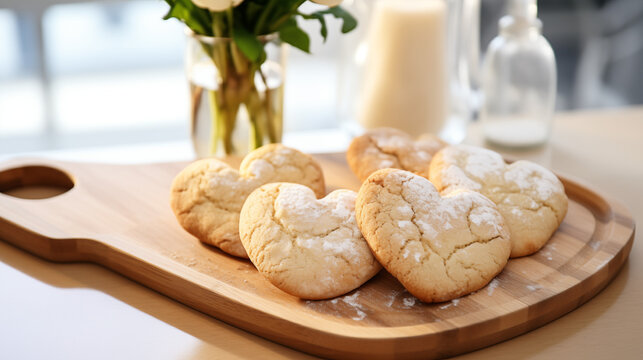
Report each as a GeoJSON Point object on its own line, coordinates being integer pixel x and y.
{"type": "Point", "coordinates": [518, 80]}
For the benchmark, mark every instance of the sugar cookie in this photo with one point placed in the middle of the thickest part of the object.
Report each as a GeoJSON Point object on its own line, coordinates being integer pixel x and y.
{"type": "Point", "coordinates": [309, 248]}
{"type": "Point", "coordinates": [439, 248]}
{"type": "Point", "coordinates": [391, 148]}
{"type": "Point", "coordinates": [207, 196]}
{"type": "Point", "coordinates": [531, 198]}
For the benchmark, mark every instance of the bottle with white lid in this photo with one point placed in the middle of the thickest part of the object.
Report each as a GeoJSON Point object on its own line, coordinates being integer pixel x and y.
{"type": "Point", "coordinates": [518, 80]}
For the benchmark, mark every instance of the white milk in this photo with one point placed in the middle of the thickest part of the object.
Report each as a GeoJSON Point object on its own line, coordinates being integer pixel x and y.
{"type": "Point", "coordinates": [406, 74]}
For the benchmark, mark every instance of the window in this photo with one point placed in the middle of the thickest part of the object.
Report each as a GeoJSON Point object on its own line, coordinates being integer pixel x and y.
{"type": "Point", "coordinates": [112, 73]}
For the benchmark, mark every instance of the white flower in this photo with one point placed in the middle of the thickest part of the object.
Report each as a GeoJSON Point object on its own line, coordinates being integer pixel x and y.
{"type": "Point", "coordinates": [216, 5]}
{"type": "Point", "coordinates": [329, 3]}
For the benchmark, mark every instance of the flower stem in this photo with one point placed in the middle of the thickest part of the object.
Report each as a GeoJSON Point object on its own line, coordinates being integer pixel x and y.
{"type": "Point", "coordinates": [267, 102]}
{"type": "Point", "coordinates": [264, 16]}
{"type": "Point", "coordinates": [216, 126]}
{"type": "Point", "coordinates": [256, 117]}
{"type": "Point", "coordinates": [236, 86]}
{"type": "Point", "coordinates": [230, 120]}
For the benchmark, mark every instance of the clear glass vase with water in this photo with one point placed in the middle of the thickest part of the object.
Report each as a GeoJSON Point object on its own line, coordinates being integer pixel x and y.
{"type": "Point", "coordinates": [236, 107]}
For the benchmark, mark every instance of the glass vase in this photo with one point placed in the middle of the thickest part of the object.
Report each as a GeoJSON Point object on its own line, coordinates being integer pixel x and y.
{"type": "Point", "coordinates": [235, 106]}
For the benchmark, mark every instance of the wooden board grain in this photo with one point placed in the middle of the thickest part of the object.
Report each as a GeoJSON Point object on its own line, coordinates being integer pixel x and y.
{"type": "Point", "coordinates": [119, 217]}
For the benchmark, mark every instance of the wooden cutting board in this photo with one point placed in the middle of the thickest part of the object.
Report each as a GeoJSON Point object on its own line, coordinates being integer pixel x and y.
{"type": "Point", "coordinates": [119, 216]}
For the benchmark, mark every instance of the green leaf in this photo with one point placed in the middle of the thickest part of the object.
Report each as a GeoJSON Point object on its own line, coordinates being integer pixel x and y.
{"type": "Point", "coordinates": [322, 22]}
{"type": "Point", "coordinates": [197, 19]}
{"type": "Point", "coordinates": [283, 12]}
{"type": "Point", "coordinates": [349, 23]}
{"type": "Point", "coordinates": [290, 33]}
{"type": "Point", "coordinates": [262, 57]}
{"type": "Point", "coordinates": [248, 43]}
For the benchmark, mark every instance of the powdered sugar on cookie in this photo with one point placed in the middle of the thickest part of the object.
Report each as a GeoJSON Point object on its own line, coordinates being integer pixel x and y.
{"type": "Point", "coordinates": [533, 178]}
{"type": "Point", "coordinates": [260, 168]}
{"type": "Point", "coordinates": [479, 162]}
{"type": "Point", "coordinates": [457, 179]}
{"type": "Point", "coordinates": [391, 141]}
{"type": "Point", "coordinates": [226, 178]}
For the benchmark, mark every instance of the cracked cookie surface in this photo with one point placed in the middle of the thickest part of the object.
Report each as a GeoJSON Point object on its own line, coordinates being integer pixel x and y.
{"type": "Point", "coordinates": [439, 248]}
{"type": "Point", "coordinates": [306, 247]}
{"type": "Point", "coordinates": [207, 195]}
{"type": "Point", "coordinates": [531, 198]}
{"type": "Point", "coordinates": [391, 148]}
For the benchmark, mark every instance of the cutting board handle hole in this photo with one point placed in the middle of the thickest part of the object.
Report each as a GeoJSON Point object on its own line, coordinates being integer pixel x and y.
{"type": "Point", "coordinates": [35, 182]}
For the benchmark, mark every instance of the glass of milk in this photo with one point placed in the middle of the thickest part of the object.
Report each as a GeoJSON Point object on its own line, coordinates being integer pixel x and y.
{"type": "Point", "coordinates": [413, 66]}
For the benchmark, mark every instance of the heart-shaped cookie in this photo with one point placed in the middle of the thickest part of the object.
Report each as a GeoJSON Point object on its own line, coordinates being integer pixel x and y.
{"type": "Point", "coordinates": [306, 247]}
{"type": "Point", "coordinates": [383, 148]}
{"type": "Point", "coordinates": [439, 248]}
{"type": "Point", "coordinates": [531, 198]}
{"type": "Point", "coordinates": [207, 196]}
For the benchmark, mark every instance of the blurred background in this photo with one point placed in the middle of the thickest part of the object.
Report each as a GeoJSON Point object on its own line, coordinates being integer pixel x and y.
{"type": "Point", "coordinates": [83, 73]}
